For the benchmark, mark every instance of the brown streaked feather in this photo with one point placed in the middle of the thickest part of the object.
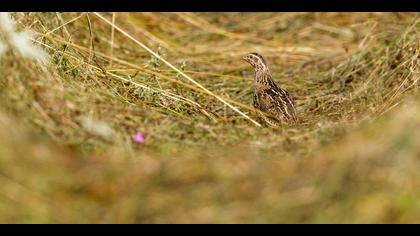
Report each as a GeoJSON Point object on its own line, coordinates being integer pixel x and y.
{"type": "Point", "coordinates": [276, 105]}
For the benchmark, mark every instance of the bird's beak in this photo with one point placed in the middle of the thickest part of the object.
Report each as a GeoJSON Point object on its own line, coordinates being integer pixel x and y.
{"type": "Point", "coordinates": [245, 58]}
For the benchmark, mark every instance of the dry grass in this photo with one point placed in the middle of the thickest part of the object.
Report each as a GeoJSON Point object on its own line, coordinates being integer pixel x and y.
{"type": "Point", "coordinates": [353, 157]}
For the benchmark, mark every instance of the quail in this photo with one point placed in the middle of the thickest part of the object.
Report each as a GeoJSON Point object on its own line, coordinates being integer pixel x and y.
{"type": "Point", "coordinates": [276, 104]}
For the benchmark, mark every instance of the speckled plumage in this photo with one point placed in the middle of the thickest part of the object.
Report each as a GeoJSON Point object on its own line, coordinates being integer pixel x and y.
{"type": "Point", "coordinates": [276, 103]}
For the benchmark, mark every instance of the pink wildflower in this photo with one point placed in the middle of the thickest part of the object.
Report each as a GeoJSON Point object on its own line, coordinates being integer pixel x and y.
{"type": "Point", "coordinates": [138, 137]}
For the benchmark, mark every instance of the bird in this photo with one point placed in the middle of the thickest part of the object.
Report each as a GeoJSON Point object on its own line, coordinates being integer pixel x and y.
{"type": "Point", "coordinates": [277, 104]}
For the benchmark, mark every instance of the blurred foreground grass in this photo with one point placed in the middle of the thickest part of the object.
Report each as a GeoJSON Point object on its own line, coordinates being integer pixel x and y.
{"type": "Point", "coordinates": [354, 156]}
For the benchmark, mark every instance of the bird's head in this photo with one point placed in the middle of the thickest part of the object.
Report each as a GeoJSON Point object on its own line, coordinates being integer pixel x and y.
{"type": "Point", "coordinates": [256, 60]}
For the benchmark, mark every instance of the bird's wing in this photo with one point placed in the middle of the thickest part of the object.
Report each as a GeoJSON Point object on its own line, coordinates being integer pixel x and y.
{"type": "Point", "coordinates": [291, 106]}
{"type": "Point", "coordinates": [277, 103]}
{"type": "Point", "coordinates": [291, 97]}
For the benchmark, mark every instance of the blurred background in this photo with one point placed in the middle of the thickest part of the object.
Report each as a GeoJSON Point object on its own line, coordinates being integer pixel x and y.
{"type": "Point", "coordinates": [147, 118]}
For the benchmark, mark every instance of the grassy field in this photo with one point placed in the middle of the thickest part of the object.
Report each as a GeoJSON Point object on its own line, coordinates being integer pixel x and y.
{"type": "Point", "coordinates": [66, 126]}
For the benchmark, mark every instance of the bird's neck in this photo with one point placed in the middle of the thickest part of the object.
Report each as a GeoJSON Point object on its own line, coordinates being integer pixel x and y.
{"type": "Point", "coordinates": [263, 78]}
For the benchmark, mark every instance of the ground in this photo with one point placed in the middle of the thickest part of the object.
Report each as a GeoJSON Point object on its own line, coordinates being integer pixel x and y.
{"type": "Point", "coordinates": [66, 126]}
